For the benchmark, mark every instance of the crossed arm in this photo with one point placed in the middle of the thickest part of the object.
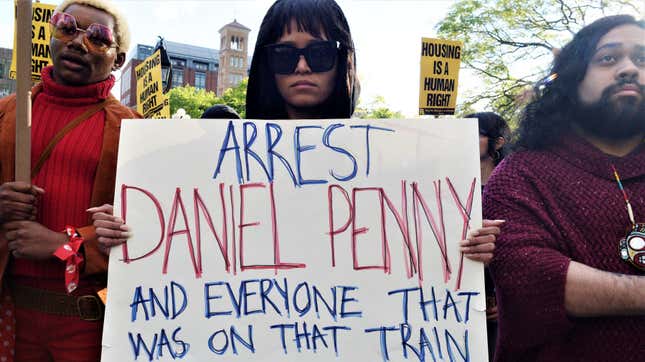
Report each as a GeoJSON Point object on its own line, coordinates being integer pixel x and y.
{"type": "Point", "coordinates": [590, 292]}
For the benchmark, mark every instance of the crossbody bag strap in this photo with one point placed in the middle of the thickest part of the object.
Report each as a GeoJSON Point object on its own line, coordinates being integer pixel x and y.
{"type": "Point", "coordinates": [64, 131]}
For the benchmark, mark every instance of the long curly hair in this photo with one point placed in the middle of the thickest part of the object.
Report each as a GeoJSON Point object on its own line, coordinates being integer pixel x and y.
{"type": "Point", "coordinates": [263, 100]}
{"type": "Point", "coordinates": [549, 116]}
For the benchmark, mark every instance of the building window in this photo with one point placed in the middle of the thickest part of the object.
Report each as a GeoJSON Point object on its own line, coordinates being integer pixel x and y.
{"type": "Point", "coordinates": [164, 77]}
{"type": "Point", "coordinates": [177, 77]}
{"type": "Point", "coordinates": [200, 80]}
{"type": "Point", "coordinates": [144, 52]}
{"type": "Point", "coordinates": [236, 43]}
{"type": "Point", "coordinates": [178, 62]}
{"type": "Point", "coordinates": [2, 70]}
{"type": "Point", "coordinates": [235, 79]}
{"type": "Point", "coordinates": [125, 80]}
{"type": "Point", "coordinates": [201, 66]}
{"type": "Point", "coordinates": [125, 100]}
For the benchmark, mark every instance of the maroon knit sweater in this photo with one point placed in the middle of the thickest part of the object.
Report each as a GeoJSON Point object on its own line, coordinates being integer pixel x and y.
{"type": "Point", "coordinates": [560, 205]}
{"type": "Point", "coordinates": [68, 174]}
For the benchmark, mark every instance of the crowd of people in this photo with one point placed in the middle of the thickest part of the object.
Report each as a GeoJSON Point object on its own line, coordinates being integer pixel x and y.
{"type": "Point", "coordinates": [563, 238]}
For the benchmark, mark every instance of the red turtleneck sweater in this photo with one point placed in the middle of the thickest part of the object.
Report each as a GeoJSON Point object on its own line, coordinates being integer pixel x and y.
{"type": "Point", "coordinates": [562, 204]}
{"type": "Point", "coordinates": [68, 174]}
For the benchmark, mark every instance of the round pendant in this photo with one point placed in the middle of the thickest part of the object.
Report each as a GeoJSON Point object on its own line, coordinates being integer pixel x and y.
{"type": "Point", "coordinates": [632, 247]}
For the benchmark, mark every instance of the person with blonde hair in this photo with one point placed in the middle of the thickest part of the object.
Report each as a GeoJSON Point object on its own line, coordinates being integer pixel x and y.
{"type": "Point", "coordinates": [51, 263]}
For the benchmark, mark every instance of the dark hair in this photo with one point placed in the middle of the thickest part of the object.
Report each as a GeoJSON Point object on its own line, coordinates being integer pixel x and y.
{"type": "Point", "coordinates": [220, 111]}
{"type": "Point", "coordinates": [263, 100]}
{"type": "Point", "coordinates": [493, 126]}
{"type": "Point", "coordinates": [549, 116]}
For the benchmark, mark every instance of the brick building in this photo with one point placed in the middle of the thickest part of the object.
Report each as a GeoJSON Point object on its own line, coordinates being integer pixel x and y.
{"type": "Point", "coordinates": [203, 68]}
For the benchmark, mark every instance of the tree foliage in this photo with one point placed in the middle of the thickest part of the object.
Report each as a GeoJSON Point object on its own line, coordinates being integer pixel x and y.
{"type": "Point", "coordinates": [509, 44]}
{"type": "Point", "coordinates": [236, 97]}
{"type": "Point", "coordinates": [377, 108]}
{"type": "Point", "coordinates": [195, 101]}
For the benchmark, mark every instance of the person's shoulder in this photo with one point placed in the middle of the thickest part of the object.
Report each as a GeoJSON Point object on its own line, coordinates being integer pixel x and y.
{"type": "Point", "coordinates": [8, 101]}
{"type": "Point", "coordinates": [120, 110]}
{"type": "Point", "coordinates": [526, 161]}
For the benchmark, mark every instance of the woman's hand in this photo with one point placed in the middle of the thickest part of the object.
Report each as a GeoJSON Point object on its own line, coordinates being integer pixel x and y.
{"type": "Point", "coordinates": [110, 230]}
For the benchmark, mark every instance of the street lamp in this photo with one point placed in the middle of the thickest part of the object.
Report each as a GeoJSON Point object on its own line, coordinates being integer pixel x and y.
{"type": "Point", "coordinates": [166, 65]}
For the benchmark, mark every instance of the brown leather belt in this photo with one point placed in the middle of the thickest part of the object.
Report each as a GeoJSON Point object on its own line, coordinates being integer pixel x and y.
{"type": "Point", "coordinates": [86, 307]}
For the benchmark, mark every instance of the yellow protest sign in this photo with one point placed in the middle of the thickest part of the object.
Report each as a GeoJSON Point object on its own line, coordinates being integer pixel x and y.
{"type": "Point", "coordinates": [440, 62]}
{"type": "Point", "coordinates": [40, 33]}
{"type": "Point", "coordinates": [151, 102]}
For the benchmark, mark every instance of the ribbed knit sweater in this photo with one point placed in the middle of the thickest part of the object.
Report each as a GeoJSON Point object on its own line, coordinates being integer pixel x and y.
{"type": "Point", "coordinates": [68, 174]}
{"type": "Point", "coordinates": [561, 204]}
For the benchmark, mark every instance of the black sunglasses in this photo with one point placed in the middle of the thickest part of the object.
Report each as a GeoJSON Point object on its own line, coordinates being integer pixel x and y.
{"type": "Point", "coordinates": [320, 56]}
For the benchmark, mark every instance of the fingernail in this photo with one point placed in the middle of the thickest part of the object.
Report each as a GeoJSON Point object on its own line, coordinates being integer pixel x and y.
{"type": "Point", "coordinates": [500, 221]}
{"type": "Point", "coordinates": [124, 227]}
{"type": "Point", "coordinates": [126, 235]}
{"type": "Point", "coordinates": [118, 219]}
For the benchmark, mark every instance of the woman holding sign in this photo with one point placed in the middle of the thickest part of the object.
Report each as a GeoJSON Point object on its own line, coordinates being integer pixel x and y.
{"type": "Point", "coordinates": [303, 66]}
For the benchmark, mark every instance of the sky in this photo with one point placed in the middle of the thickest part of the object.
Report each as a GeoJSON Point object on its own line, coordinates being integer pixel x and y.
{"type": "Point", "coordinates": [387, 35]}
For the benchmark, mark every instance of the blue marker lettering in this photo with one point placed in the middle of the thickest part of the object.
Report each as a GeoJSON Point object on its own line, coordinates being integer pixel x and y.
{"type": "Point", "coordinates": [298, 150]}
{"type": "Point", "coordinates": [345, 300]}
{"type": "Point", "coordinates": [367, 141]}
{"type": "Point", "coordinates": [246, 343]}
{"type": "Point", "coordinates": [340, 150]}
{"type": "Point", "coordinates": [271, 143]}
{"type": "Point", "coordinates": [248, 141]}
{"type": "Point", "coordinates": [230, 133]}
{"type": "Point", "coordinates": [209, 297]}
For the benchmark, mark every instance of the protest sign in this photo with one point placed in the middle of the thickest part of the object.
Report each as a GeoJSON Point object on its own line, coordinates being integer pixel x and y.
{"type": "Point", "coordinates": [296, 241]}
{"type": "Point", "coordinates": [40, 34]}
{"type": "Point", "coordinates": [440, 62]}
{"type": "Point", "coordinates": [151, 102]}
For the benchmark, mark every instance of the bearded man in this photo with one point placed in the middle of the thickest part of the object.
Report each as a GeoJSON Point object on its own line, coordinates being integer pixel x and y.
{"type": "Point", "coordinates": [569, 261]}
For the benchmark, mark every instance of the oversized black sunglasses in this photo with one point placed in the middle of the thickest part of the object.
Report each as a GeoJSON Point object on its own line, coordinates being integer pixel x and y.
{"type": "Point", "coordinates": [320, 56]}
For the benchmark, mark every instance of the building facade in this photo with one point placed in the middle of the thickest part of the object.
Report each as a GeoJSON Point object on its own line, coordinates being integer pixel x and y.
{"type": "Point", "coordinates": [7, 86]}
{"type": "Point", "coordinates": [191, 65]}
{"type": "Point", "coordinates": [233, 56]}
{"type": "Point", "coordinates": [203, 68]}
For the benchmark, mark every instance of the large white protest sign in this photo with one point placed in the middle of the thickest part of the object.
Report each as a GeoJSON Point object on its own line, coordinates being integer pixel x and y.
{"type": "Point", "coordinates": [296, 241]}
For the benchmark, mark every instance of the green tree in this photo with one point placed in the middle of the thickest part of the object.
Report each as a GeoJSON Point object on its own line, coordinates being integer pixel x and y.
{"type": "Point", "coordinates": [377, 108]}
{"type": "Point", "coordinates": [236, 97]}
{"type": "Point", "coordinates": [509, 44]}
{"type": "Point", "coordinates": [194, 101]}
